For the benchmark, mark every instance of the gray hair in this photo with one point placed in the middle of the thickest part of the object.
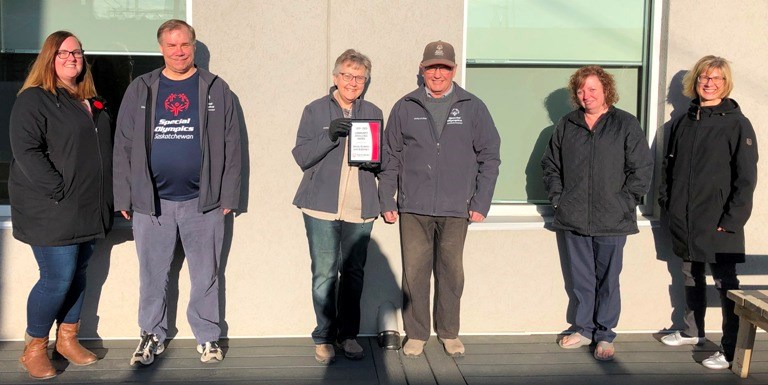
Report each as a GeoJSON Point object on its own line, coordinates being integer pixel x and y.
{"type": "Point", "coordinates": [174, 24]}
{"type": "Point", "coordinates": [353, 57]}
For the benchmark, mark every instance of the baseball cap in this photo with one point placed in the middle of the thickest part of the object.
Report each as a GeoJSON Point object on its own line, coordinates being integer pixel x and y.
{"type": "Point", "coordinates": [439, 52]}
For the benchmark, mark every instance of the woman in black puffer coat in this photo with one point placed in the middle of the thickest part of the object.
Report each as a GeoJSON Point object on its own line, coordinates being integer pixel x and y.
{"type": "Point", "coordinates": [710, 173]}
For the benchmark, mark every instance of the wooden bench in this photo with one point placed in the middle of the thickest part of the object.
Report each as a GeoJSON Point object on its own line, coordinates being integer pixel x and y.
{"type": "Point", "coordinates": [752, 309]}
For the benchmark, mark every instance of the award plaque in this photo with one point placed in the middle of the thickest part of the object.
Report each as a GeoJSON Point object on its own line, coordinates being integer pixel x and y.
{"type": "Point", "coordinates": [365, 139]}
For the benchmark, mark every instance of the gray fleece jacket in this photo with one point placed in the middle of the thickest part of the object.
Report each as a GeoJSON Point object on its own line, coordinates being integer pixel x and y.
{"type": "Point", "coordinates": [320, 159]}
{"type": "Point", "coordinates": [447, 175]}
{"type": "Point", "coordinates": [134, 188]}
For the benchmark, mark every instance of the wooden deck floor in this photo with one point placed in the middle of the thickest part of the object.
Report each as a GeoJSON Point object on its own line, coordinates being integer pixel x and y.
{"type": "Point", "coordinates": [490, 360]}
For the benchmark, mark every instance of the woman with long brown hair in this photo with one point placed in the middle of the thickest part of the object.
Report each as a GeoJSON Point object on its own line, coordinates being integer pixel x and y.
{"type": "Point", "coordinates": [60, 188]}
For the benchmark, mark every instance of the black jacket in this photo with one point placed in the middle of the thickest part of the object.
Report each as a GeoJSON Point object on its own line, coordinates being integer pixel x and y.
{"type": "Point", "coordinates": [60, 182]}
{"type": "Point", "coordinates": [595, 179]}
{"type": "Point", "coordinates": [710, 173]}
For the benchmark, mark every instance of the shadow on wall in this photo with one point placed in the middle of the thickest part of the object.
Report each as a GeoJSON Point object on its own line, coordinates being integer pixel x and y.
{"type": "Point", "coordinates": [557, 104]}
{"type": "Point", "coordinates": [661, 236]}
{"type": "Point", "coordinates": [98, 272]}
{"type": "Point", "coordinates": [203, 60]}
{"type": "Point", "coordinates": [380, 286]}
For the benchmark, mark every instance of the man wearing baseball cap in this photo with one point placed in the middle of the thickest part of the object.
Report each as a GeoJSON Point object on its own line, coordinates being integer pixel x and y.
{"type": "Point", "coordinates": [442, 160]}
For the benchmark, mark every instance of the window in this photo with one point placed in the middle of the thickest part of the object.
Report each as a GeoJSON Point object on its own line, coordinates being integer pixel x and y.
{"type": "Point", "coordinates": [119, 38]}
{"type": "Point", "coordinates": [520, 55]}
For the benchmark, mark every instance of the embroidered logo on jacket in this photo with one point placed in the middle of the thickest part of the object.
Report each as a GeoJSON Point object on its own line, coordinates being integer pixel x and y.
{"type": "Point", "coordinates": [211, 107]}
{"type": "Point", "coordinates": [454, 118]}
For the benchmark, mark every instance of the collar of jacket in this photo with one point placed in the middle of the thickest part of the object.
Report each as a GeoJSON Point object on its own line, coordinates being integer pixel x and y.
{"type": "Point", "coordinates": [152, 77]}
{"type": "Point", "coordinates": [355, 103]}
{"type": "Point", "coordinates": [726, 106]}
{"type": "Point", "coordinates": [578, 117]}
{"type": "Point", "coordinates": [420, 94]}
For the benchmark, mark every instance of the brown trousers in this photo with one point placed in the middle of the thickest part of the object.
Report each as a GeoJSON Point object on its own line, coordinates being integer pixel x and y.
{"type": "Point", "coordinates": [432, 244]}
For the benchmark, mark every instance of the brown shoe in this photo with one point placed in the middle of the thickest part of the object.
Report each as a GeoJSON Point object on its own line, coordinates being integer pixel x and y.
{"type": "Point", "coordinates": [453, 347]}
{"type": "Point", "coordinates": [413, 347]}
{"type": "Point", "coordinates": [35, 358]}
{"type": "Point", "coordinates": [69, 347]}
{"type": "Point", "coordinates": [352, 349]}
{"type": "Point", "coordinates": [325, 354]}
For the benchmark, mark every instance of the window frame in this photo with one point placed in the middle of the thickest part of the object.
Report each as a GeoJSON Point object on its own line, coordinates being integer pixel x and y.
{"type": "Point", "coordinates": [5, 209]}
{"type": "Point", "coordinates": [523, 216]}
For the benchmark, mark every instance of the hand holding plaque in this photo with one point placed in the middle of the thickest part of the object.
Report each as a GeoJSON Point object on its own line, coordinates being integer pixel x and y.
{"type": "Point", "coordinates": [365, 141]}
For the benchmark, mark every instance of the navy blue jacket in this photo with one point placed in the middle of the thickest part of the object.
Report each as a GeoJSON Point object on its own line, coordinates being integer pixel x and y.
{"type": "Point", "coordinates": [439, 176]}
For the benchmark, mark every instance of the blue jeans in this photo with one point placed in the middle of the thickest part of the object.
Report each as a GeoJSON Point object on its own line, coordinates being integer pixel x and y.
{"type": "Point", "coordinates": [338, 251]}
{"type": "Point", "coordinates": [58, 294]}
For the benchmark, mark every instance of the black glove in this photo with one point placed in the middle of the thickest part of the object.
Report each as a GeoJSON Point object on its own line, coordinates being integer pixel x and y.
{"type": "Point", "coordinates": [372, 167]}
{"type": "Point", "coordinates": [339, 127]}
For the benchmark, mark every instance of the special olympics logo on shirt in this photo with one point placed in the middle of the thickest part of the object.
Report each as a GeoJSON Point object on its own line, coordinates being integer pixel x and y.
{"type": "Point", "coordinates": [175, 103]}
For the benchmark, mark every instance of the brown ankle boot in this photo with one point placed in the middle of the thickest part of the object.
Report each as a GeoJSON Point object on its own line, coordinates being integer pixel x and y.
{"type": "Point", "coordinates": [35, 358]}
{"type": "Point", "coordinates": [69, 347]}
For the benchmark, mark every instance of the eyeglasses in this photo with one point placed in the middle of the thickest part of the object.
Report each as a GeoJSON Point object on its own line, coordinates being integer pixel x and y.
{"type": "Point", "coordinates": [64, 54]}
{"type": "Point", "coordinates": [704, 79]}
{"type": "Point", "coordinates": [358, 79]}
{"type": "Point", "coordinates": [437, 68]}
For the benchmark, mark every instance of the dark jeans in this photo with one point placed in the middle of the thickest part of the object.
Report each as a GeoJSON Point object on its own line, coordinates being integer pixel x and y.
{"type": "Point", "coordinates": [595, 265]}
{"type": "Point", "coordinates": [432, 243]}
{"type": "Point", "coordinates": [58, 294]}
{"type": "Point", "coordinates": [338, 251]}
{"type": "Point", "coordinates": [725, 278]}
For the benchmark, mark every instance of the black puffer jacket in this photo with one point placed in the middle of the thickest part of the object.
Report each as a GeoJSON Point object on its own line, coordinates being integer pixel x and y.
{"type": "Point", "coordinates": [710, 173]}
{"type": "Point", "coordinates": [595, 179]}
{"type": "Point", "coordinates": [60, 181]}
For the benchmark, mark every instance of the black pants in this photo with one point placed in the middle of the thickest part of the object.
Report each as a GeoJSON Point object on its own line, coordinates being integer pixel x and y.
{"type": "Point", "coordinates": [725, 278]}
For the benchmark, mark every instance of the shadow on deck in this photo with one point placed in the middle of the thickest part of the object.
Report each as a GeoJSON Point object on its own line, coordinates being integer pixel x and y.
{"type": "Point", "coordinates": [490, 360]}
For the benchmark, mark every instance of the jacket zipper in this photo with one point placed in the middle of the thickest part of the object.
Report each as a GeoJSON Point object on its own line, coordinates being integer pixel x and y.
{"type": "Point", "coordinates": [690, 179]}
{"type": "Point", "coordinates": [101, 172]}
{"type": "Point", "coordinates": [148, 136]}
{"type": "Point", "coordinates": [437, 145]}
{"type": "Point", "coordinates": [203, 140]}
{"type": "Point", "coordinates": [589, 180]}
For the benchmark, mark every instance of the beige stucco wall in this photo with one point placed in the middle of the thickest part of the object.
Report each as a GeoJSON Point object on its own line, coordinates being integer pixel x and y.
{"type": "Point", "coordinates": [277, 57]}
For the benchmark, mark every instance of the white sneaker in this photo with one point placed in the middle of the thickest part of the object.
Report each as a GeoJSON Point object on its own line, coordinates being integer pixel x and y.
{"type": "Point", "coordinates": [211, 352]}
{"type": "Point", "coordinates": [148, 348]}
{"type": "Point", "coordinates": [677, 339]}
{"type": "Point", "coordinates": [717, 361]}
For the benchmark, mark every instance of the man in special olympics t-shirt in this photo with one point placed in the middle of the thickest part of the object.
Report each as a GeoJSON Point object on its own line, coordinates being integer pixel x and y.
{"type": "Point", "coordinates": [176, 139]}
{"type": "Point", "coordinates": [176, 175]}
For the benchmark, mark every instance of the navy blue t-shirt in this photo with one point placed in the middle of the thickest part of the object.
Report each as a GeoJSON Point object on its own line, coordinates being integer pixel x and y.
{"type": "Point", "coordinates": [176, 154]}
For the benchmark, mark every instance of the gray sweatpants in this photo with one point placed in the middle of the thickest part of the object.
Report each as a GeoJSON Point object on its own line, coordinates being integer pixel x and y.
{"type": "Point", "coordinates": [201, 235]}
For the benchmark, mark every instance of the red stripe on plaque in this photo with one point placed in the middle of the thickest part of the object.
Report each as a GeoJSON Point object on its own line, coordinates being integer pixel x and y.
{"type": "Point", "coordinates": [374, 126]}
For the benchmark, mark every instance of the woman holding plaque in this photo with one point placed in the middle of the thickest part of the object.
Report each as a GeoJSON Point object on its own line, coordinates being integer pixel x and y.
{"type": "Point", "coordinates": [597, 167]}
{"type": "Point", "coordinates": [710, 173]}
{"type": "Point", "coordinates": [339, 203]}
